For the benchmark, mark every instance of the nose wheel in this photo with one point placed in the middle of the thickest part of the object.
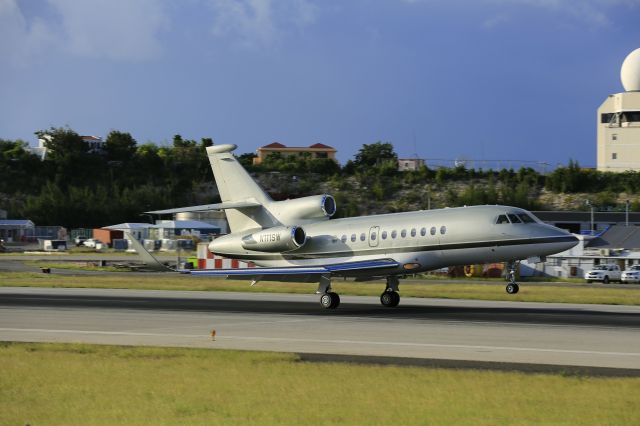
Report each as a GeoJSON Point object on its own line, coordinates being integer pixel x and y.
{"type": "Point", "coordinates": [512, 287]}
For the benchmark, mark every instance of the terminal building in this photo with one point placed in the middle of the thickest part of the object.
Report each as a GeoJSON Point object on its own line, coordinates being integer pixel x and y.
{"type": "Point", "coordinates": [619, 122]}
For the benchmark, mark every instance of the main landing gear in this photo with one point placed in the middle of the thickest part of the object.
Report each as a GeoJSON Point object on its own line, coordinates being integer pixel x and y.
{"type": "Point", "coordinates": [512, 287]}
{"type": "Point", "coordinates": [330, 300]}
{"type": "Point", "coordinates": [390, 297]}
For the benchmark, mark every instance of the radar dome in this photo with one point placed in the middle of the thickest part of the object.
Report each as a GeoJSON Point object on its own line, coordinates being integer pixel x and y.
{"type": "Point", "coordinates": [630, 72]}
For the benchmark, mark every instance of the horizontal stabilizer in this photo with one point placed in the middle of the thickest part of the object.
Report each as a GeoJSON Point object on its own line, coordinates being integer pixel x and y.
{"type": "Point", "coordinates": [205, 207]}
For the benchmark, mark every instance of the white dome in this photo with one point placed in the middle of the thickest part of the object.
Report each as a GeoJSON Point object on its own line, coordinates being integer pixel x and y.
{"type": "Point", "coordinates": [630, 72]}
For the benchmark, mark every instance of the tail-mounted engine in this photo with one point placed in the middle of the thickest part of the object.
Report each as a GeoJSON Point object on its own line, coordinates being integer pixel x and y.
{"type": "Point", "coordinates": [277, 239]}
{"type": "Point", "coordinates": [315, 207]}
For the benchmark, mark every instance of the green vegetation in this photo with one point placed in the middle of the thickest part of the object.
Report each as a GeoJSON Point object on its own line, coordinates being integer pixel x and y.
{"type": "Point", "coordinates": [427, 289]}
{"type": "Point", "coordinates": [73, 384]}
{"type": "Point", "coordinates": [77, 187]}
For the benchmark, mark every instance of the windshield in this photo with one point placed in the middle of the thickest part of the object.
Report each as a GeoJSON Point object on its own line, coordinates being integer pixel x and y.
{"type": "Point", "coordinates": [635, 268]}
{"type": "Point", "coordinates": [600, 268]}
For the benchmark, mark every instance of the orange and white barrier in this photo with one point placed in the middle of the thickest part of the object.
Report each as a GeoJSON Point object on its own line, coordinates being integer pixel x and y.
{"type": "Point", "coordinates": [208, 260]}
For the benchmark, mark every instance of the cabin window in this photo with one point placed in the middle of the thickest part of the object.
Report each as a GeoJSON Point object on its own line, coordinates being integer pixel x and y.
{"type": "Point", "coordinates": [343, 239]}
{"type": "Point", "coordinates": [394, 233]}
{"type": "Point", "coordinates": [502, 219]}
{"type": "Point", "coordinates": [403, 233]}
{"type": "Point", "coordinates": [526, 218]}
{"type": "Point", "coordinates": [353, 238]}
{"type": "Point", "coordinates": [433, 230]}
{"type": "Point", "coordinates": [373, 236]}
{"type": "Point", "coordinates": [363, 237]}
{"type": "Point", "coordinates": [384, 235]}
{"type": "Point", "coordinates": [513, 218]}
{"type": "Point", "coordinates": [443, 230]}
{"type": "Point", "coordinates": [413, 232]}
{"type": "Point", "coordinates": [423, 232]}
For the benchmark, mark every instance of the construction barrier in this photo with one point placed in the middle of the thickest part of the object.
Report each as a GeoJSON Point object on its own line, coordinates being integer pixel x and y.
{"type": "Point", "coordinates": [208, 260]}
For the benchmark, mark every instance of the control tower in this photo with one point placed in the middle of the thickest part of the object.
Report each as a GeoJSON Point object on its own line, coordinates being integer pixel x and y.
{"type": "Point", "coordinates": [619, 122]}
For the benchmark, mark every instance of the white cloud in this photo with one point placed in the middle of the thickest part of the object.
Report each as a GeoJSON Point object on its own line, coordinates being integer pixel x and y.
{"type": "Point", "coordinates": [112, 29]}
{"type": "Point", "coordinates": [115, 29]}
{"type": "Point", "coordinates": [259, 23]}
{"type": "Point", "coordinates": [21, 40]}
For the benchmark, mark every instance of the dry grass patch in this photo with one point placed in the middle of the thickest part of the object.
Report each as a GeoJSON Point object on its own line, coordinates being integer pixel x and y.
{"type": "Point", "coordinates": [62, 384]}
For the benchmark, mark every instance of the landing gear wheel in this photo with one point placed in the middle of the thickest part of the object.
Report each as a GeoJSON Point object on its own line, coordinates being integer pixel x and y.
{"type": "Point", "coordinates": [390, 299]}
{"type": "Point", "coordinates": [512, 288]}
{"type": "Point", "coordinates": [330, 300]}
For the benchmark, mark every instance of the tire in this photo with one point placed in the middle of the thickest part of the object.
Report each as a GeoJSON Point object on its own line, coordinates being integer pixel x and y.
{"type": "Point", "coordinates": [390, 299]}
{"type": "Point", "coordinates": [605, 280]}
{"type": "Point", "coordinates": [512, 288]}
{"type": "Point", "coordinates": [330, 300]}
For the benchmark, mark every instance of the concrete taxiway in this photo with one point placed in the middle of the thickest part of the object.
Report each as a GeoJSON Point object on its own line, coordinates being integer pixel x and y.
{"type": "Point", "coordinates": [456, 330]}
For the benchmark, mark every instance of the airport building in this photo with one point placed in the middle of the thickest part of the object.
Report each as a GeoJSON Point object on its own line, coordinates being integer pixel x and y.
{"type": "Point", "coordinates": [619, 122]}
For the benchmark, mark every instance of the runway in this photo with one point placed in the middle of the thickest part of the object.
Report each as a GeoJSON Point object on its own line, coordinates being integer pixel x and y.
{"type": "Point", "coordinates": [456, 331]}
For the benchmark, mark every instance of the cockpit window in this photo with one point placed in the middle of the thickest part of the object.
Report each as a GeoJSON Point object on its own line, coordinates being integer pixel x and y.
{"type": "Point", "coordinates": [513, 218]}
{"type": "Point", "coordinates": [525, 218]}
{"type": "Point", "coordinates": [502, 219]}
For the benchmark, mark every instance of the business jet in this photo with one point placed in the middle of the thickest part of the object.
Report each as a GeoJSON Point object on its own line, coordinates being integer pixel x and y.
{"type": "Point", "coordinates": [295, 240]}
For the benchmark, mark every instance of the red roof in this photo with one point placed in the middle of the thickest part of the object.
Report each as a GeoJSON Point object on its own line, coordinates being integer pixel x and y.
{"type": "Point", "coordinates": [320, 145]}
{"type": "Point", "coordinates": [274, 145]}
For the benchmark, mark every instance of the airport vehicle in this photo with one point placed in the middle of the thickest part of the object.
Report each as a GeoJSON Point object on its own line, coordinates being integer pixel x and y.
{"type": "Point", "coordinates": [631, 275]}
{"type": "Point", "coordinates": [91, 242]}
{"type": "Point", "coordinates": [294, 240]}
{"type": "Point", "coordinates": [604, 273]}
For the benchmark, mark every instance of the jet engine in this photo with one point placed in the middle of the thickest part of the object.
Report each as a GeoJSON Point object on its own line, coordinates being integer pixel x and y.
{"type": "Point", "coordinates": [313, 208]}
{"type": "Point", "coordinates": [276, 239]}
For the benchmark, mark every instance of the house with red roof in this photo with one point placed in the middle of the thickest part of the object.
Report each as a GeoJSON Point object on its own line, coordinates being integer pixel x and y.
{"type": "Point", "coordinates": [317, 150]}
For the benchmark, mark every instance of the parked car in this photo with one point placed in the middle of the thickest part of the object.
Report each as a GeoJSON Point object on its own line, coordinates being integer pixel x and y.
{"type": "Point", "coordinates": [631, 275]}
{"type": "Point", "coordinates": [78, 241]}
{"type": "Point", "coordinates": [604, 273]}
{"type": "Point", "coordinates": [91, 242]}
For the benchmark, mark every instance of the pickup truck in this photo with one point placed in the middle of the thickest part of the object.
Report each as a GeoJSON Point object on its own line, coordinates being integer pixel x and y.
{"type": "Point", "coordinates": [604, 273]}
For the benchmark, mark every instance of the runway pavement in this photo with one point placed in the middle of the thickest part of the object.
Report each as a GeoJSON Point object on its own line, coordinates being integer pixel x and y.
{"type": "Point", "coordinates": [457, 331]}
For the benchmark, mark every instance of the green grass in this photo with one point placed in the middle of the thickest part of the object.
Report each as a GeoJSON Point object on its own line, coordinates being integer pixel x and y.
{"type": "Point", "coordinates": [72, 384]}
{"type": "Point", "coordinates": [432, 289]}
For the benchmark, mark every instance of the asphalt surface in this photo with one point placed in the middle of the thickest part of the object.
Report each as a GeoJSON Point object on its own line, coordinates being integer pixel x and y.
{"type": "Point", "coordinates": [596, 339]}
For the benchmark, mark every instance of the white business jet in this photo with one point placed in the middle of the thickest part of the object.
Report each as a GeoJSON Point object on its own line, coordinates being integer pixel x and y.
{"type": "Point", "coordinates": [294, 240]}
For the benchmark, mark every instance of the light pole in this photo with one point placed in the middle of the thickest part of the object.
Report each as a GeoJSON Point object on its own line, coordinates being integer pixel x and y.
{"type": "Point", "coordinates": [626, 213]}
{"type": "Point", "coordinates": [588, 203]}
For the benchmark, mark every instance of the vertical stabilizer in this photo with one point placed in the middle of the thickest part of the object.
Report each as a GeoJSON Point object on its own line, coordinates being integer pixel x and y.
{"type": "Point", "coordinates": [235, 184]}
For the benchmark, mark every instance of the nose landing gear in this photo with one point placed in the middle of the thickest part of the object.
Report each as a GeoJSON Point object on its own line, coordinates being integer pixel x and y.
{"type": "Point", "coordinates": [512, 287]}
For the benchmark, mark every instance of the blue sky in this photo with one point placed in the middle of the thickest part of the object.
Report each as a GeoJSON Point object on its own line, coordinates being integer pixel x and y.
{"type": "Point", "coordinates": [483, 79]}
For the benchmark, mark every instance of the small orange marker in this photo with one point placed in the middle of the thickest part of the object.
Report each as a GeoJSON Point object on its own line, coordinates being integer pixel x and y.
{"type": "Point", "coordinates": [213, 334]}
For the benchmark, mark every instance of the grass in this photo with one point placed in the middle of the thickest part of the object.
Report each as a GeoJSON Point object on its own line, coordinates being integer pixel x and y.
{"type": "Point", "coordinates": [430, 289]}
{"type": "Point", "coordinates": [78, 384]}
{"type": "Point", "coordinates": [79, 266]}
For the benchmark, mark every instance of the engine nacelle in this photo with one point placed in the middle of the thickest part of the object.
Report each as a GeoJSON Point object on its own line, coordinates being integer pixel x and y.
{"type": "Point", "coordinates": [276, 239]}
{"type": "Point", "coordinates": [315, 207]}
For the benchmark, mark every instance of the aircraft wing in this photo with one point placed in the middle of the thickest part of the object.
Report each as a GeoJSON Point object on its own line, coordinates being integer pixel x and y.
{"type": "Point", "coordinates": [296, 273]}
{"type": "Point", "coordinates": [205, 207]}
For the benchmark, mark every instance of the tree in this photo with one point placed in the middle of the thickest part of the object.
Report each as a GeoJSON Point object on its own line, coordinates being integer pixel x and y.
{"type": "Point", "coordinates": [376, 154]}
{"type": "Point", "coordinates": [120, 146]}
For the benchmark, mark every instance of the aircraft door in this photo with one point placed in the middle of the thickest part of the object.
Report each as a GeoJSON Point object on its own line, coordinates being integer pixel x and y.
{"type": "Point", "coordinates": [374, 236]}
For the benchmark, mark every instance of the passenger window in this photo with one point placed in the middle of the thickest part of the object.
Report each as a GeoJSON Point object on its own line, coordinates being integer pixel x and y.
{"type": "Point", "coordinates": [363, 237]}
{"type": "Point", "coordinates": [394, 234]}
{"type": "Point", "coordinates": [353, 238]}
{"type": "Point", "coordinates": [513, 218]}
{"type": "Point", "coordinates": [403, 233]}
{"type": "Point", "coordinates": [384, 235]}
{"type": "Point", "coordinates": [502, 219]}
{"type": "Point", "coordinates": [343, 239]}
{"type": "Point", "coordinates": [443, 230]}
{"type": "Point", "coordinates": [433, 230]}
{"type": "Point", "coordinates": [373, 236]}
{"type": "Point", "coordinates": [423, 232]}
{"type": "Point", "coordinates": [413, 232]}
